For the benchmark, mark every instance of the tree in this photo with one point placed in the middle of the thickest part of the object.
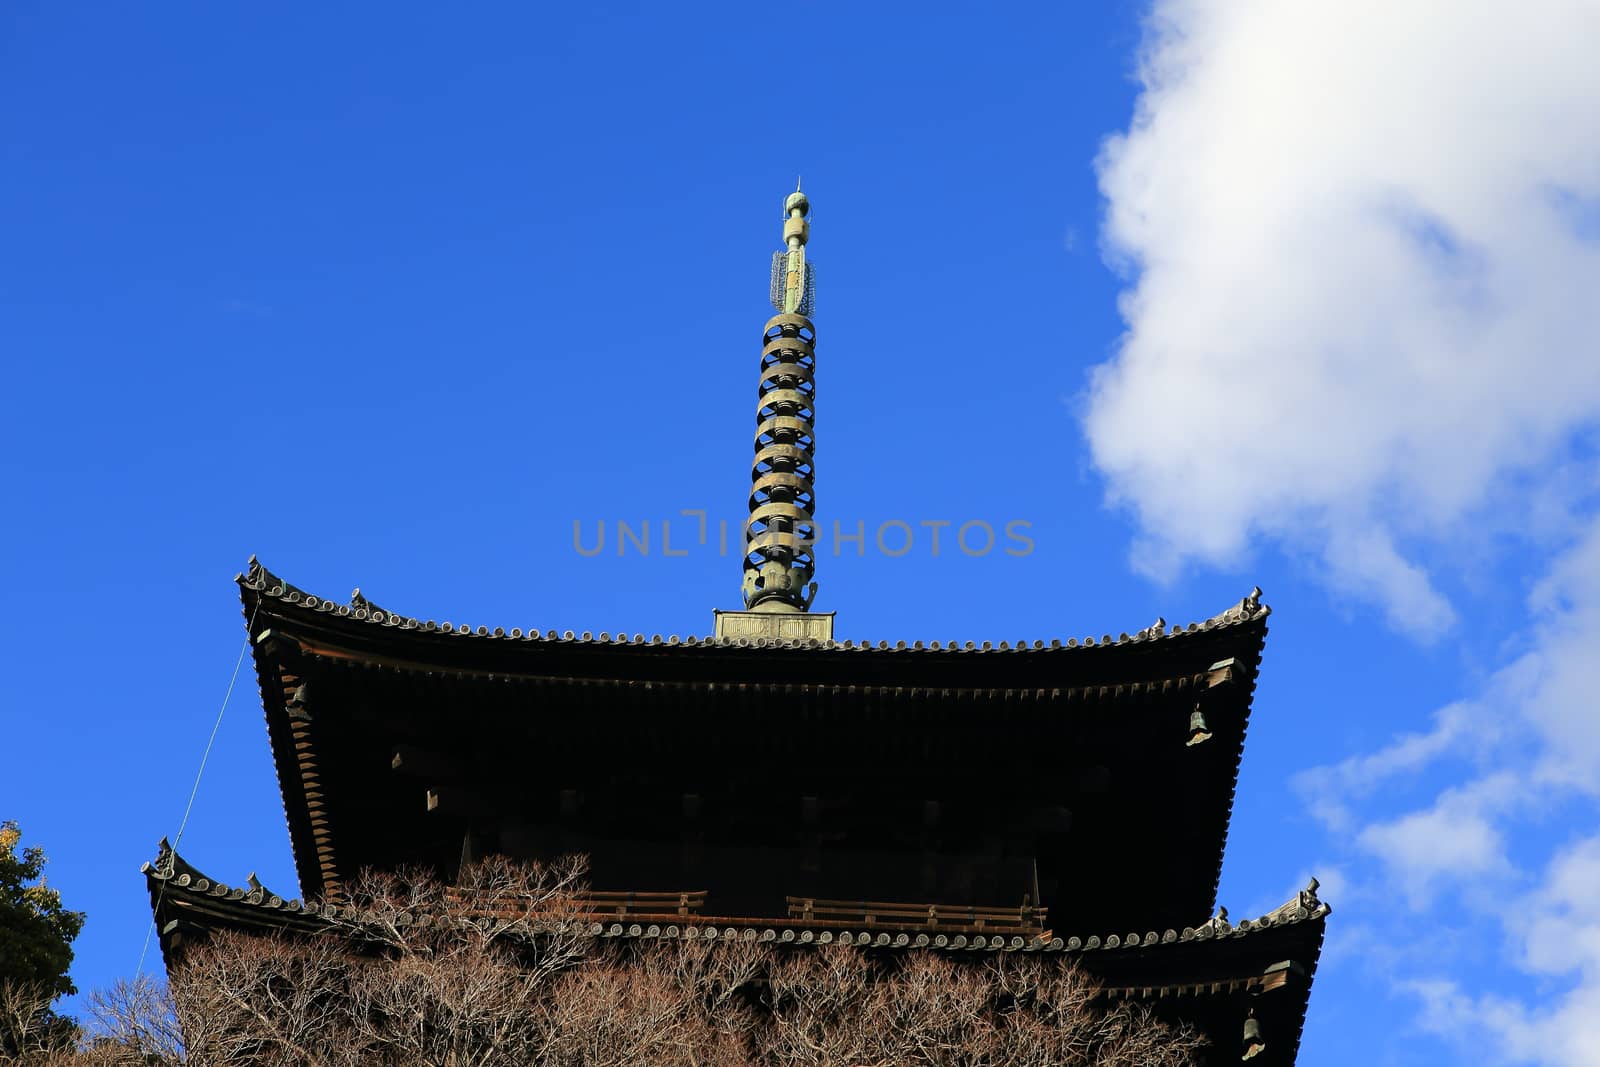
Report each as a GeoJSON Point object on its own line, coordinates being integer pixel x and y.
{"type": "Point", "coordinates": [500, 969]}
{"type": "Point", "coordinates": [36, 930]}
{"type": "Point", "coordinates": [36, 935]}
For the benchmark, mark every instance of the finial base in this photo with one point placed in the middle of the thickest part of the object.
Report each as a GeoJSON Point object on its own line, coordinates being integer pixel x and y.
{"type": "Point", "coordinates": [775, 624]}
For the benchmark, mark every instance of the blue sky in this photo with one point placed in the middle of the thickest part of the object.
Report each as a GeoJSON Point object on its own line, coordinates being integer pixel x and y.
{"type": "Point", "coordinates": [1211, 294]}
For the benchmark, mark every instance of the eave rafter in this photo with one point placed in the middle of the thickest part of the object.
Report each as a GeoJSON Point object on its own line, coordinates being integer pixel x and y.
{"type": "Point", "coordinates": [1222, 672]}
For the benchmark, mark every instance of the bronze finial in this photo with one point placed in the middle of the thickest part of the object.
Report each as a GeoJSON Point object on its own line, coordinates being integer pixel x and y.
{"type": "Point", "coordinates": [781, 530]}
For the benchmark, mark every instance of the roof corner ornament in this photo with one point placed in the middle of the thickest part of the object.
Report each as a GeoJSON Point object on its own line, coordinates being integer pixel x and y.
{"type": "Point", "coordinates": [260, 579]}
{"type": "Point", "coordinates": [781, 531]}
{"type": "Point", "coordinates": [1248, 607]}
{"type": "Point", "coordinates": [1308, 896]}
{"type": "Point", "coordinates": [361, 603]}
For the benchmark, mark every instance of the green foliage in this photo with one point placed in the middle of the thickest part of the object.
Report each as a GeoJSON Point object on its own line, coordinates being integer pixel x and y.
{"type": "Point", "coordinates": [36, 931]}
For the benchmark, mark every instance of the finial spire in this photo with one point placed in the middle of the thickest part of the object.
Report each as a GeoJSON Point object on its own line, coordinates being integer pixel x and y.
{"type": "Point", "coordinates": [781, 530]}
{"type": "Point", "coordinates": [791, 277]}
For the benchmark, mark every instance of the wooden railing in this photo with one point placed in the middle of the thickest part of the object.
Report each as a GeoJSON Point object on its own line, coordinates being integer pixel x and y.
{"type": "Point", "coordinates": [634, 903]}
{"type": "Point", "coordinates": [930, 916]}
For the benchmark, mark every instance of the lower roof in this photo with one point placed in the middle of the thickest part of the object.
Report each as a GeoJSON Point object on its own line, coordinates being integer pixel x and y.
{"type": "Point", "coordinates": [1266, 963]}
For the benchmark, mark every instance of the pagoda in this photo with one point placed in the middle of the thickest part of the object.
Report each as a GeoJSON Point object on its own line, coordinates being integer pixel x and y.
{"type": "Point", "coordinates": [1066, 797]}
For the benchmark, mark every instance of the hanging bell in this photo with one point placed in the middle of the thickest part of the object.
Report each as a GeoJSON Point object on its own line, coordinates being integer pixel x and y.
{"type": "Point", "coordinates": [1198, 730]}
{"type": "Point", "coordinates": [1254, 1044]}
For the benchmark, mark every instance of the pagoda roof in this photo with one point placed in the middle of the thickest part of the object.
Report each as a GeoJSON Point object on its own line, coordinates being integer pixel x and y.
{"type": "Point", "coordinates": [685, 691]}
{"type": "Point", "coordinates": [1217, 959]}
{"type": "Point", "coordinates": [180, 891]}
{"type": "Point", "coordinates": [260, 586]}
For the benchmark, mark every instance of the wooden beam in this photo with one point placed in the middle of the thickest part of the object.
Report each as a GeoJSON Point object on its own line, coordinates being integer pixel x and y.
{"type": "Point", "coordinates": [1222, 672]}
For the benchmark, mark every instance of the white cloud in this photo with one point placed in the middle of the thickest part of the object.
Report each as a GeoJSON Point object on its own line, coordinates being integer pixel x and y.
{"type": "Point", "coordinates": [1475, 732]}
{"type": "Point", "coordinates": [1363, 245]}
{"type": "Point", "coordinates": [1564, 704]}
{"type": "Point", "coordinates": [1562, 930]}
{"type": "Point", "coordinates": [1457, 838]}
{"type": "Point", "coordinates": [1524, 746]}
{"type": "Point", "coordinates": [1362, 297]}
{"type": "Point", "coordinates": [1558, 934]}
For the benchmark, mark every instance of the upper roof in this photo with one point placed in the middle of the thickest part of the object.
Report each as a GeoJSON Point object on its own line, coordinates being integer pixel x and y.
{"type": "Point", "coordinates": [1060, 754]}
{"type": "Point", "coordinates": [260, 586]}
